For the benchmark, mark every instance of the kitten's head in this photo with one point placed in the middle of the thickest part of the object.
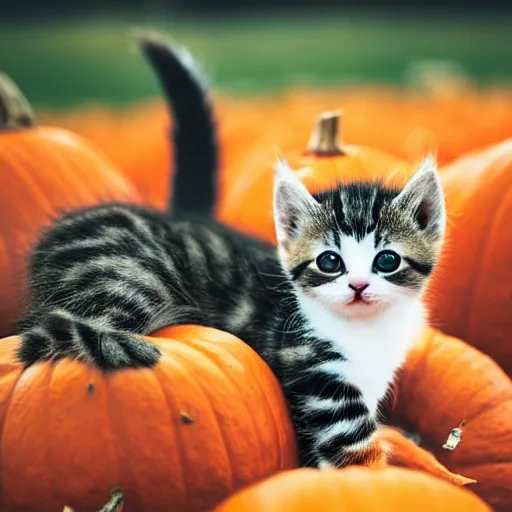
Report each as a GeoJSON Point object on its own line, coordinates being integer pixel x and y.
{"type": "Point", "coordinates": [359, 248]}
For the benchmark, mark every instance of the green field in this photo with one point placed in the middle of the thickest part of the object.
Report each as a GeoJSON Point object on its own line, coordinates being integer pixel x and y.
{"type": "Point", "coordinates": [62, 64]}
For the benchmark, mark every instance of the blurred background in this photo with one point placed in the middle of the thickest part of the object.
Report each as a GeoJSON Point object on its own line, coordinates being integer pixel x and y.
{"type": "Point", "coordinates": [410, 77]}
{"type": "Point", "coordinates": [65, 53]}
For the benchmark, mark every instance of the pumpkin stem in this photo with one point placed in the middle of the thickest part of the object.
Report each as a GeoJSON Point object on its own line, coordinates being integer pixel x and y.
{"type": "Point", "coordinates": [324, 138]}
{"type": "Point", "coordinates": [114, 504]}
{"type": "Point", "coordinates": [15, 110]}
{"type": "Point", "coordinates": [116, 501]}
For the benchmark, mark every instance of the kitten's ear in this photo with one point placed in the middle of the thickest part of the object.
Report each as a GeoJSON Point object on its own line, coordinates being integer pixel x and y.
{"type": "Point", "coordinates": [423, 198]}
{"type": "Point", "coordinates": [293, 204]}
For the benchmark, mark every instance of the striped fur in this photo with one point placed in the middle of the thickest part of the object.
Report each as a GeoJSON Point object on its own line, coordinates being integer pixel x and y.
{"type": "Point", "coordinates": [120, 268]}
{"type": "Point", "coordinates": [101, 277]}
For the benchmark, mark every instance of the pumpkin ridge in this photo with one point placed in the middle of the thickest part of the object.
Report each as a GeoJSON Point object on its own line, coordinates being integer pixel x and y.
{"type": "Point", "coordinates": [178, 445]}
{"type": "Point", "coordinates": [213, 411]}
{"type": "Point", "coordinates": [274, 417]}
{"type": "Point", "coordinates": [2, 425]}
{"type": "Point", "coordinates": [130, 475]}
{"type": "Point", "coordinates": [498, 496]}
{"type": "Point", "coordinates": [430, 352]}
{"type": "Point", "coordinates": [484, 160]}
{"type": "Point", "coordinates": [476, 460]}
{"type": "Point", "coordinates": [489, 406]}
{"type": "Point", "coordinates": [233, 383]}
{"type": "Point", "coordinates": [64, 161]}
{"type": "Point", "coordinates": [242, 186]}
{"type": "Point", "coordinates": [47, 379]}
{"type": "Point", "coordinates": [18, 155]}
{"type": "Point", "coordinates": [422, 349]}
{"type": "Point", "coordinates": [215, 346]}
{"type": "Point", "coordinates": [489, 403]}
{"type": "Point", "coordinates": [110, 415]}
{"type": "Point", "coordinates": [171, 344]}
{"type": "Point", "coordinates": [24, 172]}
{"type": "Point", "coordinates": [57, 489]}
{"type": "Point", "coordinates": [278, 431]}
{"type": "Point", "coordinates": [478, 271]}
{"type": "Point", "coordinates": [420, 364]}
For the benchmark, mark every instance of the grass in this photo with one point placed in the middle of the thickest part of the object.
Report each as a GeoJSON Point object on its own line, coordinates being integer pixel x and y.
{"type": "Point", "coordinates": [61, 64]}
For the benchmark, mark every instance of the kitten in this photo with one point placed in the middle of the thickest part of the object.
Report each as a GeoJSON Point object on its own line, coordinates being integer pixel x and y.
{"type": "Point", "coordinates": [332, 313]}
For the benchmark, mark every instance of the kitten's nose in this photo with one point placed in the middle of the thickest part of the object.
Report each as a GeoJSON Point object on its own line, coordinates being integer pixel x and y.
{"type": "Point", "coordinates": [358, 285]}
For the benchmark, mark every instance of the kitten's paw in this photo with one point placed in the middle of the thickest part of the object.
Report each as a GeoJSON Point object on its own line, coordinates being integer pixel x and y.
{"type": "Point", "coordinates": [59, 334]}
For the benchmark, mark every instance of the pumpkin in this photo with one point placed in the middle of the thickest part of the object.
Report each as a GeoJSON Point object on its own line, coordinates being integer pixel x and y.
{"type": "Point", "coordinates": [325, 162]}
{"type": "Point", "coordinates": [44, 170]}
{"type": "Point", "coordinates": [136, 139]}
{"type": "Point", "coordinates": [476, 270]}
{"type": "Point", "coordinates": [209, 419]}
{"type": "Point", "coordinates": [354, 489]}
{"type": "Point", "coordinates": [445, 381]}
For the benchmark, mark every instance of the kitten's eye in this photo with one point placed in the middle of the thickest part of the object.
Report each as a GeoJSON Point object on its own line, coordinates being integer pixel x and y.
{"type": "Point", "coordinates": [329, 262]}
{"type": "Point", "coordinates": [387, 261]}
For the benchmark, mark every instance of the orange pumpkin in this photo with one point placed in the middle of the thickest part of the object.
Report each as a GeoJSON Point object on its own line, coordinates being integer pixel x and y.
{"type": "Point", "coordinates": [355, 489]}
{"type": "Point", "coordinates": [208, 420]}
{"type": "Point", "coordinates": [135, 139]}
{"type": "Point", "coordinates": [326, 161]}
{"type": "Point", "coordinates": [476, 270]}
{"type": "Point", "coordinates": [44, 170]}
{"type": "Point", "coordinates": [444, 382]}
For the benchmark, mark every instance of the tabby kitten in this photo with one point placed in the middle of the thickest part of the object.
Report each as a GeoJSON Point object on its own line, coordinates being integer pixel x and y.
{"type": "Point", "coordinates": [332, 312]}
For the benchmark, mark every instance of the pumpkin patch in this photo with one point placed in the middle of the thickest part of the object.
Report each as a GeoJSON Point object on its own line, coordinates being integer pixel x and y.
{"type": "Point", "coordinates": [208, 426]}
{"type": "Point", "coordinates": [405, 123]}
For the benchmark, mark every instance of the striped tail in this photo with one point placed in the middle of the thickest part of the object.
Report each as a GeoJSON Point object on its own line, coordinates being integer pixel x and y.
{"type": "Point", "coordinates": [194, 133]}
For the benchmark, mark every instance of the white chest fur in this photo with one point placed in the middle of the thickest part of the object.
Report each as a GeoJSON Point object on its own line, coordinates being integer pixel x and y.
{"type": "Point", "coordinates": [374, 347]}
